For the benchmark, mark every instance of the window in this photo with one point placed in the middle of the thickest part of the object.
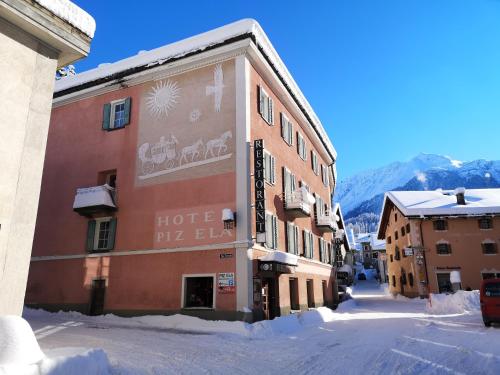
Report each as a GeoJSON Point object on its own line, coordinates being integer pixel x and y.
{"type": "Point", "coordinates": [107, 177]}
{"type": "Point", "coordinates": [394, 281]}
{"type": "Point", "coordinates": [487, 275]}
{"type": "Point", "coordinates": [397, 253]}
{"type": "Point", "coordinates": [443, 248]}
{"type": "Point", "coordinates": [391, 258]}
{"type": "Point", "coordinates": [410, 278]}
{"type": "Point", "coordinates": [389, 240]}
{"type": "Point", "coordinates": [301, 147]}
{"type": "Point", "coordinates": [395, 217]}
{"type": "Point", "coordinates": [269, 168]}
{"type": "Point", "coordinates": [375, 255]}
{"type": "Point", "coordinates": [314, 163]}
{"type": "Point", "coordinates": [408, 228]}
{"type": "Point", "coordinates": [294, 294]}
{"type": "Point", "coordinates": [266, 106]}
{"type": "Point", "coordinates": [396, 235]}
{"type": "Point", "coordinates": [199, 292]}
{"type": "Point", "coordinates": [489, 248]}
{"type": "Point", "coordinates": [403, 231]}
{"type": "Point", "coordinates": [324, 175]}
{"type": "Point", "coordinates": [271, 231]}
{"type": "Point", "coordinates": [320, 206]}
{"type": "Point", "coordinates": [492, 290]}
{"type": "Point", "coordinates": [322, 250]}
{"type": "Point", "coordinates": [292, 233]}
{"type": "Point", "coordinates": [485, 223]}
{"type": "Point", "coordinates": [440, 225]}
{"type": "Point", "coordinates": [116, 114]}
{"type": "Point", "coordinates": [289, 182]}
{"type": "Point", "coordinates": [286, 129]}
{"type": "Point", "coordinates": [308, 244]}
{"type": "Point", "coordinates": [101, 234]}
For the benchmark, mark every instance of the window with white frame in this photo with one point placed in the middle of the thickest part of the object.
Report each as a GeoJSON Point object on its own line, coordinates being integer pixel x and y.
{"type": "Point", "coordinates": [269, 168]}
{"type": "Point", "coordinates": [271, 231]}
{"type": "Point", "coordinates": [199, 292]}
{"type": "Point", "coordinates": [266, 106]}
{"type": "Point", "coordinates": [324, 175]}
{"type": "Point", "coordinates": [314, 163]}
{"type": "Point", "coordinates": [286, 129]}
{"type": "Point", "coordinates": [320, 206]}
{"type": "Point", "coordinates": [301, 146]}
{"type": "Point", "coordinates": [116, 114]}
{"type": "Point", "coordinates": [289, 182]}
{"type": "Point", "coordinates": [101, 234]}
{"type": "Point", "coordinates": [308, 244]}
{"type": "Point", "coordinates": [292, 234]}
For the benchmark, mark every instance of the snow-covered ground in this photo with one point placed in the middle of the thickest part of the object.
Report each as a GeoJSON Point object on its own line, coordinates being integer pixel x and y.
{"type": "Point", "coordinates": [373, 333]}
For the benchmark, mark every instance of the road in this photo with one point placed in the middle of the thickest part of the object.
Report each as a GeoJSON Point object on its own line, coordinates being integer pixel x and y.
{"type": "Point", "coordinates": [371, 334]}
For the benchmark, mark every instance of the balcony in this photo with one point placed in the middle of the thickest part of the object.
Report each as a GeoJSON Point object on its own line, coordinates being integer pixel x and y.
{"type": "Point", "coordinates": [93, 200]}
{"type": "Point", "coordinates": [325, 222]}
{"type": "Point", "coordinates": [298, 203]}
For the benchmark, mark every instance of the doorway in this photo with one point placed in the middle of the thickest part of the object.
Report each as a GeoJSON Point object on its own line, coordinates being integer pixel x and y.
{"type": "Point", "coordinates": [270, 298]}
{"type": "Point", "coordinates": [97, 297]}
{"type": "Point", "coordinates": [310, 293]}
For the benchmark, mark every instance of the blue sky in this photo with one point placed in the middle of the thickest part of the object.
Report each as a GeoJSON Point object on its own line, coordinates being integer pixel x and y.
{"type": "Point", "coordinates": [388, 78]}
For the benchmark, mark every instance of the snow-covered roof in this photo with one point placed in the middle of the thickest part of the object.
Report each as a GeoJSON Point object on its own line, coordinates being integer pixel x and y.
{"type": "Point", "coordinates": [70, 13]}
{"type": "Point", "coordinates": [280, 257]}
{"type": "Point", "coordinates": [444, 202]}
{"type": "Point", "coordinates": [198, 43]}
{"type": "Point", "coordinates": [441, 203]}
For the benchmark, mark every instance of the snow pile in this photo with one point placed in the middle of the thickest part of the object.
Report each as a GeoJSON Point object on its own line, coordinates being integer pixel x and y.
{"type": "Point", "coordinates": [457, 303]}
{"type": "Point", "coordinates": [280, 257]}
{"type": "Point", "coordinates": [70, 13]}
{"type": "Point", "coordinates": [18, 344]}
{"type": "Point", "coordinates": [21, 354]}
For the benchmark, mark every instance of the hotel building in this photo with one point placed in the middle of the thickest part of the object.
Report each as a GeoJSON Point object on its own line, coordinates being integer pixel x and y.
{"type": "Point", "coordinates": [194, 178]}
{"type": "Point", "coordinates": [440, 241]}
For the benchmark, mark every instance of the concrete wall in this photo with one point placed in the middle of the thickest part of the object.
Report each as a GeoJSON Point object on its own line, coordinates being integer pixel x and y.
{"type": "Point", "coordinates": [27, 70]}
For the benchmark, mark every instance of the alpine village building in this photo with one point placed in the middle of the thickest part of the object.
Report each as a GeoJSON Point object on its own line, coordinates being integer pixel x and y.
{"type": "Point", "coordinates": [194, 178]}
{"type": "Point", "coordinates": [440, 241]}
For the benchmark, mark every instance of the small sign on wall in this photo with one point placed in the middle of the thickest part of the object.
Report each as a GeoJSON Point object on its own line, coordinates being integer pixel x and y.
{"type": "Point", "coordinates": [225, 282]}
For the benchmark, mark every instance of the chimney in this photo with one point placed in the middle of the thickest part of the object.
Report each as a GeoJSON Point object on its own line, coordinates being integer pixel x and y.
{"type": "Point", "coordinates": [460, 194]}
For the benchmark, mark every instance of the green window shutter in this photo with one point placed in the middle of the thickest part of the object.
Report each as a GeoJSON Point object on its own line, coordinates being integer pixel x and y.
{"type": "Point", "coordinates": [273, 168]}
{"type": "Point", "coordinates": [260, 100]}
{"type": "Point", "coordinates": [289, 237]}
{"type": "Point", "coordinates": [271, 111]}
{"type": "Point", "coordinates": [275, 232]}
{"type": "Point", "coordinates": [290, 132]}
{"type": "Point", "coordinates": [90, 235]}
{"type": "Point", "coordinates": [106, 115]}
{"type": "Point", "coordinates": [296, 240]}
{"type": "Point", "coordinates": [269, 237]}
{"type": "Point", "coordinates": [112, 234]}
{"type": "Point", "coordinates": [311, 245]}
{"type": "Point", "coordinates": [283, 126]}
{"type": "Point", "coordinates": [128, 103]}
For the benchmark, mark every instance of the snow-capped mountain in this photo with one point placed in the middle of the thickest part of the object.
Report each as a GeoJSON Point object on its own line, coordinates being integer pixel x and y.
{"type": "Point", "coordinates": [363, 193]}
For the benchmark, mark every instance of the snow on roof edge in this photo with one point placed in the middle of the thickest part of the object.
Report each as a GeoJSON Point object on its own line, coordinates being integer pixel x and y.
{"type": "Point", "coordinates": [201, 42]}
{"type": "Point", "coordinates": [71, 13]}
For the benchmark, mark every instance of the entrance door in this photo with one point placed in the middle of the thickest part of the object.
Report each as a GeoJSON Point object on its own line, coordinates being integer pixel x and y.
{"type": "Point", "coordinates": [444, 283]}
{"type": "Point", "coordinates": [269, 298]}
{"type": "Point", "coordinates": [97, 297]}
{"type": "Point", "coordinates": [310, 293]}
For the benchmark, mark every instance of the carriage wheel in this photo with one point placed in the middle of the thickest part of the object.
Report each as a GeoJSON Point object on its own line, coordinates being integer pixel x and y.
{"type": "Point", "coordinates": [170, 163]}
{"type": "Point", "coordinates": [148, 167]}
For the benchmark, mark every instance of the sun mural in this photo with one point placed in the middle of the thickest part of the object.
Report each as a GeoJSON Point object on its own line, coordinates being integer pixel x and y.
{"type": "Point", "coordinates": [163, 98]}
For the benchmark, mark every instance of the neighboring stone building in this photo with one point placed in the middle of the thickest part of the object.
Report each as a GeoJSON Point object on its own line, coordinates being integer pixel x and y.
{"type": "Point", "coordinates": [34, 41]}
{"type": "Point", "coordinates": [430, 234]}
{"type": "Point", "coordinates": [192, 178]}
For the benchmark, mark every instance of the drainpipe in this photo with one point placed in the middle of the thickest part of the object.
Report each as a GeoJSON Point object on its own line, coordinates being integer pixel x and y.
{"type": "Point", "coordinates": [425, 259]}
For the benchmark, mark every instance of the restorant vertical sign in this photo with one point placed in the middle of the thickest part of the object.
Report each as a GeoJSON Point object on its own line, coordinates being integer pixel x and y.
{"type": "Point", "coordinates": [260, 201]}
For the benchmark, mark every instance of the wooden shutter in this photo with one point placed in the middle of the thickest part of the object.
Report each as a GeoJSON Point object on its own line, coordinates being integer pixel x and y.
{"type": "Point", "coordinates": [283, 126]}
{"type": "Point", "coordinates": [260, 101]}
{"type": "Point", "coordinates": [293, 180]}
{"type": "Point", "coordinates": [90, 235]}
{"type": "Point", "coordinates": [296, 239]}
{"type": "Point", "coordinates": [106, 114]}
{"type": "Point", "coordinates": [289, 237]}
{"type": "Point", "coordinates": [290, 132]}
{"type": "Point", "coordinates": [126, 115]}
{"type": "Point", "coordinates": [275, 232]}
{"type": "Point", "coordinates": [112, 234]}
{"type": "Point", "coordinates": [269, 237]}
{"type": "Point", "coordinates": [267, 167]}
{"type": "Point", "coordinates": [311, 245]}
{"type": "Point", "coordinates": [273, 169]}
{"type": "Point", "coordinates": [271, 111]}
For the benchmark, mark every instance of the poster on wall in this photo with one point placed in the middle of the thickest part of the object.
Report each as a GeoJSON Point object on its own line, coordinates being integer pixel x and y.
{"type": "Point", "coordinates": [225, 282]}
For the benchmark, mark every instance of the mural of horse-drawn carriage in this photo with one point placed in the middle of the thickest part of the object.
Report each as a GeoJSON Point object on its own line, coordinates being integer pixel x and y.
{"type": "Point", "coordinates": [163, 155]}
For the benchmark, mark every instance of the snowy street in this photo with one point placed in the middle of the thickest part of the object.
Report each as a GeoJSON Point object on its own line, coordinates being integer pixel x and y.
{"type": "Point", "coordinates": [373, 333]}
